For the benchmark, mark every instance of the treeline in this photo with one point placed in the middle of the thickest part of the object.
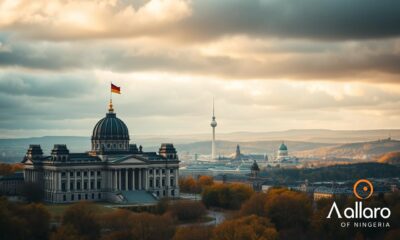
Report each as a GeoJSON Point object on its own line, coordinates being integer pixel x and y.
{"type": "Point", "coordinates": [279, 214]}
{"type": "Point", "coordinates": [86, 221]}
{"type": "Point", "coordinates": [227, 196]}
{"type": "Point", "coordinates": [7, 169]}
{"type": "Point", "coordinates": [336, 172]}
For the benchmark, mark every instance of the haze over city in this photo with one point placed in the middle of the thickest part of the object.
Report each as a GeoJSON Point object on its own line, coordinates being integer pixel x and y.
{"type": "Point", "coordinates": [336, 68]}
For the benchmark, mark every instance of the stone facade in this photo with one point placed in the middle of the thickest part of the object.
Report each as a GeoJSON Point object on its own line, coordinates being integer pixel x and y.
{"type": "Point", "coordinates": [110, 169]}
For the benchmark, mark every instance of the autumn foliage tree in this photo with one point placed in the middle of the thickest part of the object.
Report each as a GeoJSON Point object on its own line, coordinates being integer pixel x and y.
{"type": "Point", "coordinates": [82, 219]}
{"type": "Point", "coordinates": [26, 221]}
{"type": "Point", "coordinates": [288, 209]}
{"type": "Point", "coordinates": [187, 210]}
{"type": "Point", "coordinates": [246, 228]}
{"type": "Point", "coordinates": [124, 224]}
{"type": "Point", "coordinates": [189, 185]}
{"type": "Point", "coordinates": [196, 232]}
{"type": "Point", "coordinates": [229, 196]}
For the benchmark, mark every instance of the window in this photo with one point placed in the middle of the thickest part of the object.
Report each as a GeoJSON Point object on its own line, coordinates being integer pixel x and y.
{"type": "Point", "coordinates": [63, 186]}
{"type": "Point", "coordinates": [151, 171]}
{"type": "Point", "coordinates": [98, 173]}
{"type": "Point", "coordinates": [99, 196]}
{"type": "Point", "coordinates": [115, 146]}
{"type": "Point", "coordinates": [71, 174]}
{"type": "Point", "coordinates": [163, 171]}
{"type": "Point", "coordinates": [78, 174]}
{"type": "Point", "coordinates": [163, 182]}
{"type": "Point", "coordinates": [171, 171]}
{"type": "Point", "coordinates": [171, 182]}
{"type": "Point", "coordinates": [157, 183]}
{"type": "Point", "coordinates": [91, 173]}
{"type": "Point", "coordinates": [157, 171]}
{"type": "Point", "coordinates": [72, 197]}
{"type": "Point", "coordinates": [91, 184]}
{"type": "Point", "coordinates": [86, 196]}
{"type": "Point", "coordinates": [151, 183]}
{"type": "Point", "coordinates": [92, 195]}
{"type": "Point", "coordinates": [71, 185]}
{"type": "Point", "coordinates": [79, 197]}
{"type": "Point", "coordinates": [85, 185]}
{"type": "Point", "coordinates": [120, 145]}
{"type": "Point", "coordinates": [64, 198]}
{"type": "Point", "coordinates": [78, 185]}
{"type": "Point", "coordinates": [63, 174]}
{"type": "Point", "coordinates": [173, 192]}
{"type": "Point", "coordinates": [98, 184]}
{"type": "Point", "coordinates": [85, 173]}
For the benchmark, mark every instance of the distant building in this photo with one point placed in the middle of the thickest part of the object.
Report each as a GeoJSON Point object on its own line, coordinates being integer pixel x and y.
{"type": "Point", "coordinates": [329, 192]}
{"type": "Point", "coordinates": [11, 184]}
{"type": "Point", "coordinates": [113, 170]}
{"type": "Point", "coordinates": [283, 158]}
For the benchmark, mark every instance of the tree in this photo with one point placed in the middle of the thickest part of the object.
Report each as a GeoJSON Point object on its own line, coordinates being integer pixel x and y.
{"type": "Point", "coordinates": [83, 218]}
{"type": "Point", "coordinates": [288, 209]}
{"type": "Point", "coordinates": [189, 185]}
{"type": "Point", "coordinates": [255, 205]}
{"type": "Point", "coordinates": [205, 181]}
{"type": "Point", "coordinates": [246, 228]}
{"type": "Point", "coordinates": [229, 196]}
{"type": "Point", "coordinates": [187, 210]}
{"type": "Point", "coordinates": [152, 227]}
{"type": "Point", "coordinates": [193, 233]}
{"type": "Point", "coordinates": [23, 221]}
{"type": "Point", "coordinates": [37, 219]}
{"type": "Point", "coordinates": [32, 192]}
{"type": "Point", "coordinates": [67, 232]}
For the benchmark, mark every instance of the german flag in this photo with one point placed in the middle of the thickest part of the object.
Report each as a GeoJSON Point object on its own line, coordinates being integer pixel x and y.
{"type": "Point", "coordinates": [115, 89]}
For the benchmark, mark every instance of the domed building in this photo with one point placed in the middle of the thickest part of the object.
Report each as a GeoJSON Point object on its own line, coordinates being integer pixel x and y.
{"type": "Point", "coordinates": [283, 151]}
{"type": "Point", "coordinates": [113, 170]}
{"type": "Point", "coordinates": [283, 158]}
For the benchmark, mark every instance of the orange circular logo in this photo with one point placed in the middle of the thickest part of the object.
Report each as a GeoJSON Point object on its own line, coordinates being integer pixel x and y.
{"type": "Point", "coordinates": [363, 189]}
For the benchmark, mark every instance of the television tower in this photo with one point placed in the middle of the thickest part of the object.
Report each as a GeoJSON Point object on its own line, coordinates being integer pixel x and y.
{"type": "Point", "coordinates": [213, 125]}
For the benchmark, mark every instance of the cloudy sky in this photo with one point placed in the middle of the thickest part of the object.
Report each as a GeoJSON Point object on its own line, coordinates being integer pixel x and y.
{"type": "Point", "coordinates": [270, 64]}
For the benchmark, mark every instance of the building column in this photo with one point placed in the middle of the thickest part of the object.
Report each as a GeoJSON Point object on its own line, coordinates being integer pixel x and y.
{"type": "Point", "coordinates": [114, 172]}
{"type": "Point", "coordinates": [89, 188]}
{"type": "Point", "coordinates": [67, 185]}
{"type": "Point", "coordinates": [59, 181]}
{"type": "Point", "coordinates": [75, 180]}
{"type": "Point", "coordinates": [119, 180]}
{"type": "Point", "coordinates": [140, 179]}
{"type": "Point", "coordinates": [146, 179]}
{"type": "Point", "coordinates": [126, 179]}
{"type": "Point", "coordinates": [167, 178]}
{"type": "Point", "coordinates": [133, 179]}
{"type": "Point", "coordinates": [154, 178]}
{"type": "Point", "coordinates": [176, 177]}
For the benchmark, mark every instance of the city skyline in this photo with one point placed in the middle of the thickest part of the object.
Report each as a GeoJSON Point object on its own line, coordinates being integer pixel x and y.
{"type": "Point", "coordinates": [336, 69]}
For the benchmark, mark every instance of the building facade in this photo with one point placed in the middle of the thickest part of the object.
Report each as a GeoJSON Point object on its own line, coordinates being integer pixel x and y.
{"type": "Point", "coordinates": [113, 170]}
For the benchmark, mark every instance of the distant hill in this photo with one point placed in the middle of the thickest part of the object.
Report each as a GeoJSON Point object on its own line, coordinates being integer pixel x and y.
{"type": "Point", "coordinates": [390, 158]}
{"type": "Point", "coordinates": [361, 150]}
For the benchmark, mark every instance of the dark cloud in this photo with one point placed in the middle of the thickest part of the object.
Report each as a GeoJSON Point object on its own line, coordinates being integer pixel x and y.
{"type": "Point", "coordinates": [48, 85]}
{"type": "Point", "coordinates": [313, 19]}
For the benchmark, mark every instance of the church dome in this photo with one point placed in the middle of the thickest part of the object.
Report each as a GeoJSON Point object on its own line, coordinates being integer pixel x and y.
{"type": "Point", "coordinates": [283, 147]}
{"type": "Point", "coordinates": [110, 128]}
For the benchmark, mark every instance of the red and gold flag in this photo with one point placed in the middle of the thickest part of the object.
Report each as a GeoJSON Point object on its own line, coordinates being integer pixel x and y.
{"type": "Point", "coordinates": [115, 89]}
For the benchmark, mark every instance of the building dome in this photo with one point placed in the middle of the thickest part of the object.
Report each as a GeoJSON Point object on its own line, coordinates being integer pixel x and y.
{"type": "Point", "coordinates": [283, 147]}
{"type": "Point", "coordinates": [110, 134]}
{"type": "Point", "coordinates": [110, 128]}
